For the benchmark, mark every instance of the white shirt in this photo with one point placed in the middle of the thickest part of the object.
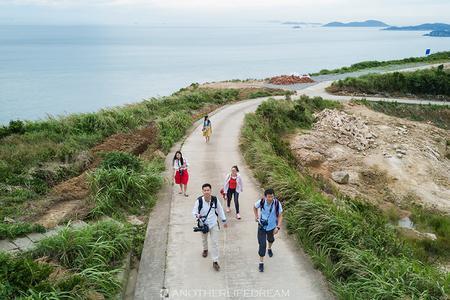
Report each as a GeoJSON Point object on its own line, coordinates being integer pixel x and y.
{"type": "Point", "coordinates": [177, 164]}
{"type": "Point", "coordinates": [212, 218]}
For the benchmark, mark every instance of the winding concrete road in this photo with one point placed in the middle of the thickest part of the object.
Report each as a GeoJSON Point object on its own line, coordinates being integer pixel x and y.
{"type": "Point", "coordinates": [187, 275]}
{"type": "Point", "coordinates": [172, 267]}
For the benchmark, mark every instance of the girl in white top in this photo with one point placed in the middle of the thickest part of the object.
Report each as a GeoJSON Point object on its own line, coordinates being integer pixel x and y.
{"type": "Point", "coordinates": [181, 175]}
{"type": "Point", "coordinates": [232, 188]}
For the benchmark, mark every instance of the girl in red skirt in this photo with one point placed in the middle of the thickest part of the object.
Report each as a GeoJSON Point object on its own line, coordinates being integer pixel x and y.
{"type": "Point", "coordinates": [181, 175]}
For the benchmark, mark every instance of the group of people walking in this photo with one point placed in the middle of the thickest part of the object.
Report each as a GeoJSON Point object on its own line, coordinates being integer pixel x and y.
{"type": "Point", "coordinates": [208, 208]}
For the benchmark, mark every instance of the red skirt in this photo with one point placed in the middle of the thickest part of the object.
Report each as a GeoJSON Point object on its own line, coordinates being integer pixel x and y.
{"type": "Point", "coordinates": [182, 179]}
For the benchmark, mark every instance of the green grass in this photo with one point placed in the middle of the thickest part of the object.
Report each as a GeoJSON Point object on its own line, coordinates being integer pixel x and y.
{"type": "Point", "coordinates": [428, 83]}
{"type": "Point", "coordinates": [433, 58]}
{"type": "Point", "coordinates": [439, 115]}
{"type": "Point", "coordinates": [27, 146]}
{"type": "Point", "coordinates": [122, 188]}
{"type": "Point", "coordinates": [350, 241]}
{"type": "Point", "coordinates": [427, 220]}
{"type": "Point", "coordinates": [14, 230]}
{"type": "Point", "coordinates": [89, 259]}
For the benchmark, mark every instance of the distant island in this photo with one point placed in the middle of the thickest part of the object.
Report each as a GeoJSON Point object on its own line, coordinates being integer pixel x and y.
{"type": "Point", "coordinates": [368, 23]}
{"type": "Point", "coordinates": [439, 33]}
{"type": "Point", "coordinates": [426, 26]}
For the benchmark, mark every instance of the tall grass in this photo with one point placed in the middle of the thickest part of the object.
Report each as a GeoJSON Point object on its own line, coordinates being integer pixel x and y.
{"type": "Point", "coordinates": [26, 145]}
{"type": "Point", "coordinates": [77, 262]}
{"type": "Point", "coordinates": [433, 58]}
{"type": "Point", "coordinates": [439, 115]}
{"type": "Point", "coordinates": [123, 187]}
{"type": "Point", "coordinates": [11, 231]}
{"type": "Point", "coordinates": [350, 241]}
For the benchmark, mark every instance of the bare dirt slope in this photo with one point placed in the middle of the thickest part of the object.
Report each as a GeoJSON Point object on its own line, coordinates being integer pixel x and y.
{"type": "Point", "coordinates": [387, 159]}
{"type": "Point", "coordinates": [69, 199]}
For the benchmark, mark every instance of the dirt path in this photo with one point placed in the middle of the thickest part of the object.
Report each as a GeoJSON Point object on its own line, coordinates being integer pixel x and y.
{"type": "Point", "coordinates": [289, 271]}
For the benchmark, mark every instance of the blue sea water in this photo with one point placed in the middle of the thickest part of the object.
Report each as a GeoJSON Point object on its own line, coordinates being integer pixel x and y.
{"type": "Point", "coordinates": [56, 70]}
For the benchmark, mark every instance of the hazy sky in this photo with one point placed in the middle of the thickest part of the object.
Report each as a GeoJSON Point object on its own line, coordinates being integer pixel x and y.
{"type": "Point", "coordinates": [219, 12]}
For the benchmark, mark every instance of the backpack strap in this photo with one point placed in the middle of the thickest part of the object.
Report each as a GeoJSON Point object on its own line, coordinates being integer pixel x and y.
{"type": "Point", "coordinates": [277, 206]}
{"type": "Point", "coordinates": [214, 203]}
{"type": "Point", "coordinates": [200, 204]}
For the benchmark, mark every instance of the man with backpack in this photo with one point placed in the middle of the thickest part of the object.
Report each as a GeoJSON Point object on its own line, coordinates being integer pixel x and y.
{"type": "Point", "coordinates": [206, 210]}
{"type": "Point", "coordinates": [268, 215]}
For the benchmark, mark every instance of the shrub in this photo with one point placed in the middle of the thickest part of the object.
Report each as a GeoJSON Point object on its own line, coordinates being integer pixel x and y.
{"type": "Point", "coordinates": [118, 159]}
{"type": "Point", "coordinates": [123, 188]}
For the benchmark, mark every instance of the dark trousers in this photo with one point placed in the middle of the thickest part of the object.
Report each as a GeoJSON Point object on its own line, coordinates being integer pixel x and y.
{"type": "Point", "coordinates": [264, 235]}
{"type": "Point", "coordinates": [230, 194]}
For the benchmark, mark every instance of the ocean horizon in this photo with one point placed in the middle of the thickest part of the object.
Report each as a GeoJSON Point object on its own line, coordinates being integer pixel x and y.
{"type": "Point", "coordinates": [58, 70]}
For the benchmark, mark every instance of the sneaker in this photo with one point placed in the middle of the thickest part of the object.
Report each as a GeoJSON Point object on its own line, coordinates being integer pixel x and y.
{"type": "Point", "coordinates": [261, 267]}
{"type": "Point", "coordinates": [186, 195]}
{"type": "Point", "coordinates": [238, 216]}
{"type": "Point", "coordinates": [205, 253]}
{"type": "Point", "coordinates": [228, 209]}
{"type": "Point", "coordinates": [269, 251]}
{"type": "Point", "coordinates": [216, 266]}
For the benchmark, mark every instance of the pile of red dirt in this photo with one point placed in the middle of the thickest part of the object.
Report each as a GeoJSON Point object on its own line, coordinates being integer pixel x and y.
{"type": "Point", "coordinates": [290, 79]}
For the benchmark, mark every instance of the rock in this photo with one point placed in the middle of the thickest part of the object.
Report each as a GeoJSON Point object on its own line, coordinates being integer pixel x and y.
{"type": "Point", "coordinates": [399, 155]}
{"type": "Point", "coordinates": [83, 160]}
{"type": "Point", "coordinates": [309, 158]}
{"type": "Point", "coordinates": [401, 151]}
{"type": "Point", "coordinates": [348, 130]}
{"type": "Point", "coordinates": [160, 154]}
{"type": "Point", "coordinates": [9, 220]}
{"type": "Point", "coordinates": [429, 235]}
{"type": "Point", "coordinates": [93, 295]}
{"type": "Point", "coordinates": [340, 177]}
{"type": "Point", "coordinates": [133, 220]}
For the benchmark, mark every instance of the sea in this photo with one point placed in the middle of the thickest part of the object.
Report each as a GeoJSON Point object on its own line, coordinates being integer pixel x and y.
{"type": "Point", "coordinates": [58, 70]}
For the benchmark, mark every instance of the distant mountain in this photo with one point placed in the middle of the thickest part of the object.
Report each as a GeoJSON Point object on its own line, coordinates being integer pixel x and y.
{"type": "Point", "coordinates": [439, 33]}
{"type": "Point", "coordinates": [368, 23]}
{"type": "Point", "coordinates": [427, 26]}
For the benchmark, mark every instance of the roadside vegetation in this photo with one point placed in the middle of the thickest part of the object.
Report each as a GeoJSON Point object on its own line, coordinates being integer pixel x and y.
{"type": "Point", "coordinates": [35, 156]}
{"type": "Point", "coordinates": [433, 58]}
{"type": "Point", "coordinates": [358, 250]}
{"type": "Point", "coordinates": [428, 84]}
{"type": "Point", "coordinates": [438, 115]}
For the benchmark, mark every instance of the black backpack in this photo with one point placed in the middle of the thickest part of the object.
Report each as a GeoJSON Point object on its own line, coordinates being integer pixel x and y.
{"type": "Point", "coordinates": [276, 203]}
{"type": "Point", "coordinates": [214, 204]}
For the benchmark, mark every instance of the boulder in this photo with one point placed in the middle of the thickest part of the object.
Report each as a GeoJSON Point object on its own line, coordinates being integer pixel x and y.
{"type": "Point", "coordinates": [340, 177]}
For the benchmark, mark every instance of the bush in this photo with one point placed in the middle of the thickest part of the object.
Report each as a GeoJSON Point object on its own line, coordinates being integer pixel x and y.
{"type": "Point", "coordinates": [425, 83]}
{"type": "Point", "coordinates": [86, 258]}
{"type": "Point", "coordinates": [436, 57]}
{"type": "Point", "coordinates": [119, 160]}
{"type": "Point", "coordinates": [123, 188]}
